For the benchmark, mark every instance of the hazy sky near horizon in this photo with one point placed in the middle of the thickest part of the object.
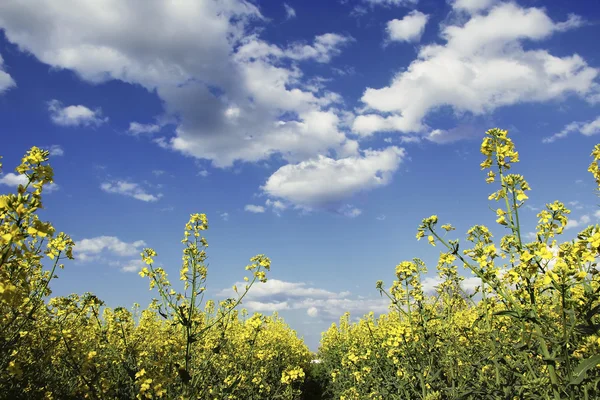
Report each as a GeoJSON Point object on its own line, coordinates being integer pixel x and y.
{"type": "Point", "coordinates": [319, 133]}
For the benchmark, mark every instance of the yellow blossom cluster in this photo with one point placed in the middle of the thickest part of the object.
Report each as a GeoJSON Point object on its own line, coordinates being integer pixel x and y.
{"type": "Point", "coordinates": [530, 330]}
{"type": "Point", "coordinates": [179, 347]}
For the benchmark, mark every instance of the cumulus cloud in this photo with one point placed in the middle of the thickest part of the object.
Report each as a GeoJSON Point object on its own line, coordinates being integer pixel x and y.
{"type": "Point", "coordinates": [325, 182]}
{"type": "Point", "coordinates": [254, 208]}
{"type": "Point", "coordinates": [277, 295]}
{"type": "Point", "coordinates": [324, 48]}
{"type": "Point", "coordinates": [135, 128]}
{"type": "Point", "coordinates": [132, 265]}
{"type": "Point", "coordinates": [408, 29]}
{"type": "Point", "coordinates": [6, 81]}
{"type": "Point", "coordinates": [14, 180]}
{"type": "Point", "coordinates": [129, 189]}
{"type": "Point", "coordinates": [92, 248]}
{"type": "Point", "coordinates": [231, 93]}
{"type": "Point", "coordinates": [74, 115]}
{"type": "Point", "coordinates": [481, 67]}
{"type": "Point", "coordinates": [580, 223]}
{"type": "Point", "coordinates": [588, 128]}
{"type": "Point", "coordinates": [472, 6]}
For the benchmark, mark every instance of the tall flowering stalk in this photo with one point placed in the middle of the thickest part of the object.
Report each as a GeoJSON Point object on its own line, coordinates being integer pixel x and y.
{"type": "Point", "coordinates": [186, 309]}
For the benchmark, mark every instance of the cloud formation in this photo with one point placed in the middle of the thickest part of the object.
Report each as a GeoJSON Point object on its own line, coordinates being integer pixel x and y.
{"type": "Point", "coordinates": [129, 189]}
{"type": "Point", "coordinates": [408, 29]}
{"type": "Point", "coordinates": [229, 90]}
{"type": "Point", "coordinates": [588, 128]}
{"type": "Point", "coordinates": [481, 67]}
{"type": "Point", "coordinates": [92, 248]}
{"type": "Point", "coordinates": [74, 115]}
{"type": "Point", "coordinates": [325, 182]}
{"type": "Point", "coordinates": [254, 208]}
{"type": "Point", "coordinates": [277, 295]}
{"type": "Point", "coordinates": [135, 128]}
{"type": "Point", "coordinates": [6, 81]}
{"type": "Point", "coordinates": [289, 11]}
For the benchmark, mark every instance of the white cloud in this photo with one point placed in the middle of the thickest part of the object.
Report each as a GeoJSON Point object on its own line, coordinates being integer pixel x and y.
{"type": "Point", "coordinates": [135, 128]}
{"type": "Point", "coordinates": [129, 189]}
{"type": "Point", "coordinates": [472, 6]}
{"type": "Point", "coordinates": [132, 265]}
{"type": "Point", "coordinates": [254, 208]}
{"type": "Point", "coordinates": [597, 214]}
{"type": "Point", "coordinates": [531, 236]}
{"type": "Point", "coordinates": [276, 205]}
{"type": "Point", "coordinates": [380, 217]}
{"type": "Point", "coordinates": [289, 11]}
{"type": "Point", "coordinates": [277, 295]}
{"type": "Point", "coordinates": [588, 128]}
{"type": "Point", "coordinates": [227, 90]}
{"type": "Point", "coordinates": [13, 180]}
{"type": "Point", "coordinates": [93, 248]}
{"type": "Point", "coordinates": [51, 187]}
{"type": "Point", "coordinates": [324, 48]}
{"type": "Point", "coordinates": [325, 182]}
{"type": "Point", "coordinates": [56, 150]}
{"type": "Point", "coordinates": [460, 132]}
{"type": "Point", "coordinates": [576, 204]}
{"type": "Point", "coordinates": [481, 67]}
{"type": "Point", "coordinates": [468, 284]}
{"type": "Point", "coordinates": [349, 211]}
{"type": "Point", "coordinates": [396, 3]}
{"type": "Point", "coordinates": [408, 29]}
{"type": "Point", "coordinates": [225, 216]}
{"type": "Point", "coordinates": [6, 81]}
{"type": "Point", "coordinates": [74, 115]}
{"type": "Point", "coordinates": [582, 222]}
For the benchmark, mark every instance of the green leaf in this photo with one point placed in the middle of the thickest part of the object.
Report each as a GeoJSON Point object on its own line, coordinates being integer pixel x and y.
{"type": "Point", "coordinates": [579, 373]}
{"type": "Point", "coordinates": [509, 313]}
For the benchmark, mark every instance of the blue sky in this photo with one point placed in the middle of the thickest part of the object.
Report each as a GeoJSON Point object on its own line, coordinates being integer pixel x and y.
{"type": "Point", "coordinates": [319, 133]}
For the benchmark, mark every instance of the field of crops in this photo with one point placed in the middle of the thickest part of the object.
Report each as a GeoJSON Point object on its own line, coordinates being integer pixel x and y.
{"type": "Point", "coordinates": [531, 330]}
